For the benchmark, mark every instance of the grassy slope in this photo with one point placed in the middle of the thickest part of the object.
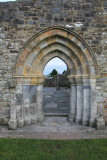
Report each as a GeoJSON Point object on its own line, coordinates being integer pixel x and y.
{"type": "Point", "coordinates": [27, 149]}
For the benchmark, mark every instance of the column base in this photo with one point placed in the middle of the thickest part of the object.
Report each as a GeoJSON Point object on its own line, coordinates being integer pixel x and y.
{"type": "Point", "coordinates": [40, 118]}
{"type": "Point", "coordinates": [85, 123]}
{"type": "Point", "coordinates": [92, 123]}
{"type": "Point", "coordinates": [12, 124]}
{"type": "Point", "coordinates": [78, 121]}
{"type": "Point", "coordinates": [71, 119]}
{"type": "Point", "coordinates": [27, 121]}
{"type": "Point", "coordinates": [20, 123]}
{"type": "Point", "coordinates": [34, 120]}
{"type": "Point", "coordinates": [100, 124]}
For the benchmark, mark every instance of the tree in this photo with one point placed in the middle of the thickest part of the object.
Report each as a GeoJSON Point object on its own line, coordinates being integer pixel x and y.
{"type": "Point", "coordinates": [53, 73]}
{"type": "Point", "coordinates": [63, 72]}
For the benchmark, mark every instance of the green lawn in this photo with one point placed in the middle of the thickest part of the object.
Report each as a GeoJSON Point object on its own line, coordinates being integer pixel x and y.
{"type": "Point", "coordinates": [31, 149]}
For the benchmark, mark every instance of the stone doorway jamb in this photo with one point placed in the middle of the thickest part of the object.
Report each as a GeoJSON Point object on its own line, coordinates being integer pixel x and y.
{"type": "Point", "coordinates": [18, 117]}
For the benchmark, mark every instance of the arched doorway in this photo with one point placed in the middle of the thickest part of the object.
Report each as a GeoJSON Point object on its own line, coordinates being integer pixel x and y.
{"type": "Point", "coordinates": [56, 88]}
{"type": "Point", "coordinates": [73, 50]}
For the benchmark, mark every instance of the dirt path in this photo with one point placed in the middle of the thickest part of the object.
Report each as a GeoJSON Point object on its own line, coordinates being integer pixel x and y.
{"type": "Point", "coordinates": [54, 128]}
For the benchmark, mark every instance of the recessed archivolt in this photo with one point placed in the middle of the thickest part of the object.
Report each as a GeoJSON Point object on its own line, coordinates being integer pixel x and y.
{"type": "Point", "coordinates": [63, 45]}
{"type": "Point", "coordinates": [61, 48]}
{"type": "Point", "coordinates": [56, 43]}
{"type": "Point", "coordinates": [60, 39]}
{"type": "Point", "coordinates": [52, 55]}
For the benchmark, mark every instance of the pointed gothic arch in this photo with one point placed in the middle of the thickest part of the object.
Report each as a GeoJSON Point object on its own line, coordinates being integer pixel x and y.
{"type": "Point", "coordinates": [76, 53]}
{"type": "Point", "coordinates": [53, 39]}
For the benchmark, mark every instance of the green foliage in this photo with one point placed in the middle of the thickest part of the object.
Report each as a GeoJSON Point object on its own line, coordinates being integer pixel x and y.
{"type": "Point", "coordinates": [63, 72]}
{"type": "Point", "coordinates": [31, 149]}
{"type": "Point", "coordinates": [53, 73]}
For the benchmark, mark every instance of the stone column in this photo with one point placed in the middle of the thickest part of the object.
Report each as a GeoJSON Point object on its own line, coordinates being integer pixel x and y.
{"type": "Point", "coordinates": [79, 109]}
{"type": "Point", "coordinates": [73, 97]}
{"type": "Point", "coordinates": [93, 102]}
{"type": "Point", "coordinates": [26, 107]}
{"type": "Point", "coordinates": [86, 102]}
{"type": "Point", "coordinates": [20, 116]}
{"type": "Point", "coordinates": [39, 102]}
{"type": "Point", "coordinates": [19, 106]}
{"type": "Point", "coordinates": [13, 121]}
{"type": "Point", "coordinates": [33, 108]}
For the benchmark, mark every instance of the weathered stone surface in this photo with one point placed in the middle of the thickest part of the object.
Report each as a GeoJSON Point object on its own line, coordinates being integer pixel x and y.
{"type": "Point", "coordinates": [53, 82]}
{"type": "Point", "coordinates": [12, 124]}
{"type": "Point", "coordinates": [26, 108]}
{"type": "Point", "coordinates": [11, 83]}
{"type": "Point", "coordinates": [19, 21]}
{"type": "Point", "coordinates": [100, 123]}
{"type": "Point", "coordinates": [33, 113]}
{"type": "Point", "coordinates": [13, 119]}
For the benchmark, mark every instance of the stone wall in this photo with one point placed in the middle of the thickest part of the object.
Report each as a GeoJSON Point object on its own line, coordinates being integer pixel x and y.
{"type": "Point", "coordinates": [56, 102]}
{"type": "Point", "coordinates": [20, 20]}
{"type": "Point", "coordinates": [57, 81]}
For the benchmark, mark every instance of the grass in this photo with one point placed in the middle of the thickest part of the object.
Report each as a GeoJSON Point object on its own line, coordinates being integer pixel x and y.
{"type": "Point", "coordinates": [31, 149]}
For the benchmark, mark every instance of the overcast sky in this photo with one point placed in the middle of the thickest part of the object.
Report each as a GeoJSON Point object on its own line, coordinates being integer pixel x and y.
{"type": "Point", "coordinates": [55, 63]}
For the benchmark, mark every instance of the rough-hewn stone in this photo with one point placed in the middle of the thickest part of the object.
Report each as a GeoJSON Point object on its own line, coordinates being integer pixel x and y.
{"type": "Point", "coordinates": [20, 20]}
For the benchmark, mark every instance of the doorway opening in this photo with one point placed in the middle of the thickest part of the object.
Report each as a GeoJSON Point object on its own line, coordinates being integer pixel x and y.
{"type": "Point", "coordinates": [56, 91]}
{"type": "Point", "coordinates": [51, 43]}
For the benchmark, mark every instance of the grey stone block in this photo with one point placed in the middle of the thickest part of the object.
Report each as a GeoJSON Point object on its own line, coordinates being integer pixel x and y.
{"type": "Point", "coordinates": [100, 123]}
{"type": "Point", "coordinates": [101, 126]}
{"type": "Point", "coordinates": [20, 123]}
{"type": "Point", "coordinates": [11, 83]}
{"type": "Point", "coordinates": [12, 124]}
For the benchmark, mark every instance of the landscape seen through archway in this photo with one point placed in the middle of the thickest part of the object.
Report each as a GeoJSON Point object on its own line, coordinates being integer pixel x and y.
{"type": "Point", "coordinates": [54, 64]}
